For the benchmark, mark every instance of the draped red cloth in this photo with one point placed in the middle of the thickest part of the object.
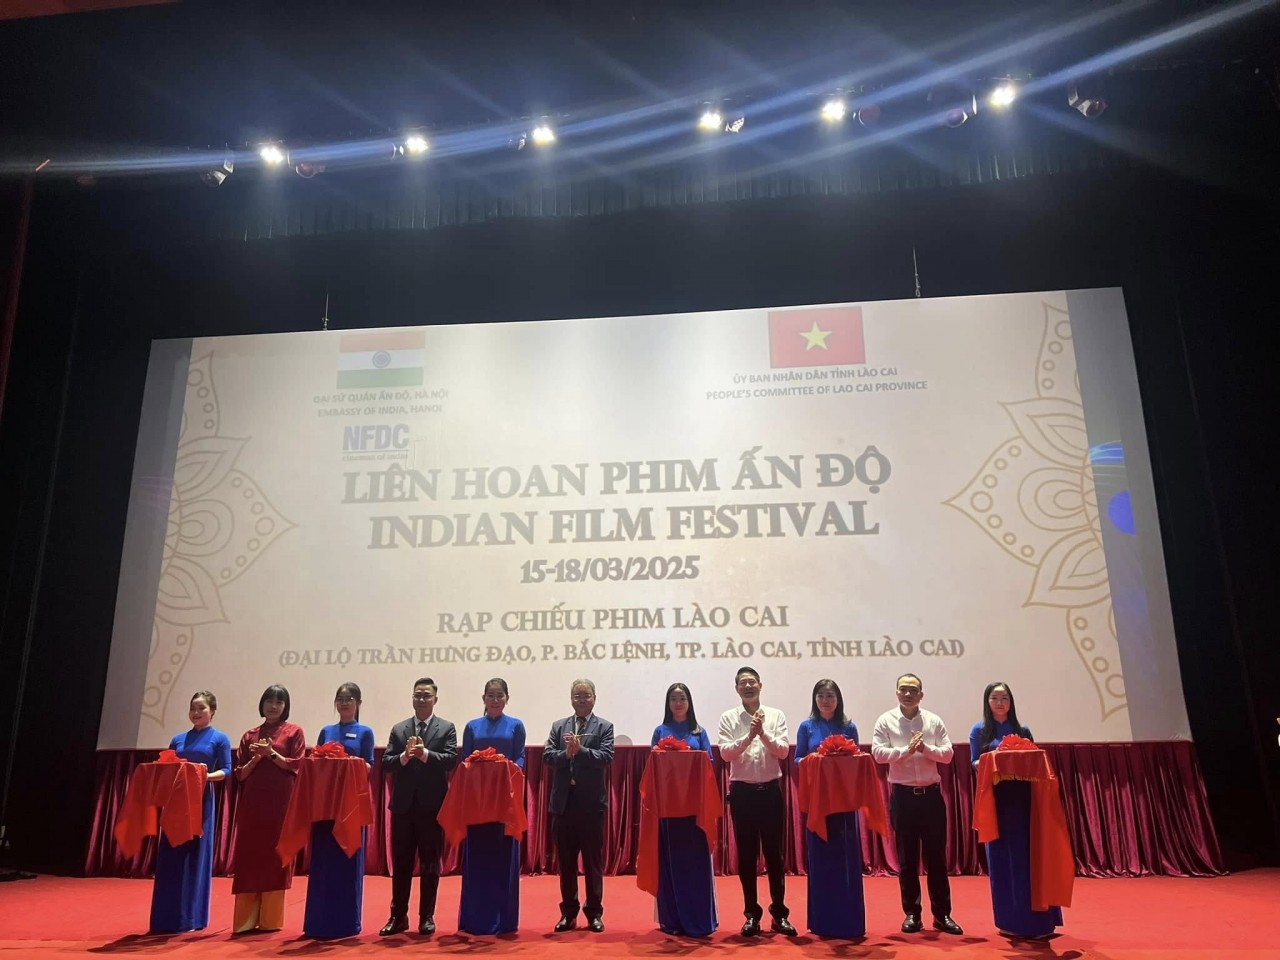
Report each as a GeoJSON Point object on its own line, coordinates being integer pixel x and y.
{"type": "Point", "coordinates": [484, 792]}
{"type": "Point", "coordinates": [164, 796]}
{"type": "Point", "coordinates": [841, 783]}
{"type": "Point", "coordinates": [328, 788]}
{"type": "Point", "coordinates": [1132, 809]}
{"type": "Point", "coordinates": [676, 783]}
{"type": "Point", "coordinates": [1052, 864]}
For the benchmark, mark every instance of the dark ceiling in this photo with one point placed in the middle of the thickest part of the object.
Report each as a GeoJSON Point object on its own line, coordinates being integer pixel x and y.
{"type": "Point", "coordinates": [202, 74]}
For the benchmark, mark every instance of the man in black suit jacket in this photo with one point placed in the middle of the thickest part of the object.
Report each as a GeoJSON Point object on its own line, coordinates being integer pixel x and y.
{"type": "Point", "coordinates": [579, 749]}
{"type": "Point", "coordinates": [420, 753]}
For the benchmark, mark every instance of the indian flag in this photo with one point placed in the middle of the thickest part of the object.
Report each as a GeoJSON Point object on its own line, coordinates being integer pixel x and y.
{"type": "Point", "coordinates": [391, 358]}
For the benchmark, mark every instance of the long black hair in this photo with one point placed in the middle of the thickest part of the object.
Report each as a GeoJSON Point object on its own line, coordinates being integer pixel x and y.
{"type": "Point", "coordinates": [691, 717]}
{"type": "Point", "coordinates": [353, 691]}
{"type": "Point", "coordinates": [838, 717]}
{"type": "Point", "coordinates": [989, 721]}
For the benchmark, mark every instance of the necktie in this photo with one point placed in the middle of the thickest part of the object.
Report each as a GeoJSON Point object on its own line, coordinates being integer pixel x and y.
{"type": "Point", "coordinates": [422, 730]}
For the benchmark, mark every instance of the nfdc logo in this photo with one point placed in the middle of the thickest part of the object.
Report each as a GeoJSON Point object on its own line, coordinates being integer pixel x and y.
{"type": "Point", "coordinates": [375, 436]}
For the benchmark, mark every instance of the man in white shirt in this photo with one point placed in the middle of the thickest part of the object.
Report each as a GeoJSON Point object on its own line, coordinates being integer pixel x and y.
{"type": "Point", "coordinates": [753, 741]}
{"type": "Point", "coordinates": [913, 742]}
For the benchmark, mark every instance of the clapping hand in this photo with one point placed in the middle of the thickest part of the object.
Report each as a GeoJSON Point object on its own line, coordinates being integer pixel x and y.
{"type": "Point", "coordinates": [261, 748]}
{"type": "Point", "coordinates": [572, 743]}
{"type": "Point", "coordinates": [416, 748]}
{"type": "Point", "coordinates": [757, 725]}
{"type": "Point", "coordinates": [917, 742]}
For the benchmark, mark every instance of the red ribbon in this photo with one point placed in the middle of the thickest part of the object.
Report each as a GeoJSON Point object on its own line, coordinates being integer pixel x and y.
{"type": "Point", "coordinates": [487, 755]}
{"type": "Point", "coordinates": [1014, 742]}
{"type": "Point", "coordinates": [169, 756]}
{"type": "Point", "coordinates": [837, 745]}
{"type": "Point", "coordinates": [671, 743]}
{"type": "Point", "coordinates": [332, 749]}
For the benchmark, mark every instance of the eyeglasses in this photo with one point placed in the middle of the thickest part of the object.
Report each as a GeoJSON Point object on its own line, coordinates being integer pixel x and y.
{"type": "Point", "coordinates": [344, 699]}
{"type": "Point", "coordinates": [495, 695]}
{"type": "Point", "coordinates": [909, 691]}
{"type": "Point", "coordinates": [580, 697]}
{"type": "Point", "coordinates": [424, 696]}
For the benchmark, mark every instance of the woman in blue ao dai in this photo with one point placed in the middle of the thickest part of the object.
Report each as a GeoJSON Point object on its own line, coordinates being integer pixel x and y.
{"type": "Point", "coordinates": [836, 904]}
{"type": "Point", "coordinates": [490, 901]}
{"type": "Point", "coordinates": [1009, 858]}
{"type": "Point", "coordinates": [335, 882]}
{"type": "Point", "coordinates": [686, 884]}
{"type": "Point", "coordinates": [184, 874]}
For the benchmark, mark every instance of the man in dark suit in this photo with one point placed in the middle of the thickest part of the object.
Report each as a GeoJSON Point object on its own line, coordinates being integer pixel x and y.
{"type": "Point", "coordinates": [420, 753]}
{"type": "Point", "coordinates": [579, 749]}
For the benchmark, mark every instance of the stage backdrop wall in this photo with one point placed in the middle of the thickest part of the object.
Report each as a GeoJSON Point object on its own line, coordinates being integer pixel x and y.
{"type": "Point", "coordinates": [104, 280]}
{"type": "Point", "coordinates": [957, 487]}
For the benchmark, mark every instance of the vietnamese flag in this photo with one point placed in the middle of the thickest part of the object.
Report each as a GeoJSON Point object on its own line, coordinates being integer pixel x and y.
{"type": "Point", "coordinates": [816, 337]}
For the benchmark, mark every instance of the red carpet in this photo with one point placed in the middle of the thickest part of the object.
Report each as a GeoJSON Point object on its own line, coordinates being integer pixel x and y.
{"type": "Point", "coordinates": [1166, 918]}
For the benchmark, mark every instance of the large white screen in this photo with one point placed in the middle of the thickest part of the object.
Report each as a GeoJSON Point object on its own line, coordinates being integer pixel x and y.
{"type": "Point", "coordinates": [956, 487]}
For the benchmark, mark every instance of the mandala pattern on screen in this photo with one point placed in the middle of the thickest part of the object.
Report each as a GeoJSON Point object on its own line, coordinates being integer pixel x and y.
{"type": "Point", "coordinates": [1035, 499]}
{"type": "Point", "coordinates": [219, 523]}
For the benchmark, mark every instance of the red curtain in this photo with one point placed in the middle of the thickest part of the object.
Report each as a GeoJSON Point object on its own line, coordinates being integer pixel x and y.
{"type": "Point", "coordinates": [1133, 809]}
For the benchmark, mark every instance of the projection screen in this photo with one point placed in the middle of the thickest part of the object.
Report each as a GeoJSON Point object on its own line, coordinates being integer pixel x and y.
{"type": "Point", "coordinates": [959, 488]}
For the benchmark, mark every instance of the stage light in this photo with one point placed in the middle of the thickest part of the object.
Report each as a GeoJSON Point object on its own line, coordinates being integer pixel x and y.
{"type": "Point", "coordinates": [1086, 97]}
{"type": "Point", "coordinates": [869, 114]}
{"type": "Point", "coordinates": [272, 154]}
{"type": "Point", "coordinates": [542, 135]}
{"type": "Point", "coordinates": [307, 169]}
{"type": "Point", "coordinates": [217, 175]}
{"type": "Point", "coordinates": [416, 145]}
{"type": "Point", "coordinates": [833, 110]}
{"type": "Point", "coordinates": [735, 125]}
{"type": "Point", "coordinates": [954, 105]}
{"type": "Point", "coordinates": [711, 120]}
{"type": "Point", "coordinates": [1003, 95]}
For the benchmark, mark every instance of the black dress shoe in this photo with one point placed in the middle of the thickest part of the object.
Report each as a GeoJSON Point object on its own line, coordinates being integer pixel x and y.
{"type": "Point", "coordinates": [782, 925]}
{"type": "Point", "coordinates": [912, 924]}
{"type": "Point", "coordinates": [566, 923]}
{"type": "Point", "coordinates": [751, 928]}
{"type": "Point", "coordinates": [394, 925]}
{"type": "Point", "coordinates": [596, 925]}
{"type": "Point", "coordinates": [947, 925]}
{"type": "Point", "coordinates": [427, 926]}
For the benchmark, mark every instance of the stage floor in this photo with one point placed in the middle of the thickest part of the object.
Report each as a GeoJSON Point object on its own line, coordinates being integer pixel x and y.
{"type": "Point", "coordinates": [1158, 917]}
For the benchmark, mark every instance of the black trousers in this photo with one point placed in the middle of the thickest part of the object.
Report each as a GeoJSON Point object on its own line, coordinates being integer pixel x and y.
{"type": "Point", "coordinates": [415, 832]}
{"type": "Point", "coordinates": [759, 821]}
{"type": "Point", "coordinates": [581, 833]}
{"type": "Point", "coordinates": [919, 819]}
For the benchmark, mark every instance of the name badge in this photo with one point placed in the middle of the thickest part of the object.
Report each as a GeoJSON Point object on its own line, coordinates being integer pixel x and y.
{"type": "Point", "coordinates": [351, 736]}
